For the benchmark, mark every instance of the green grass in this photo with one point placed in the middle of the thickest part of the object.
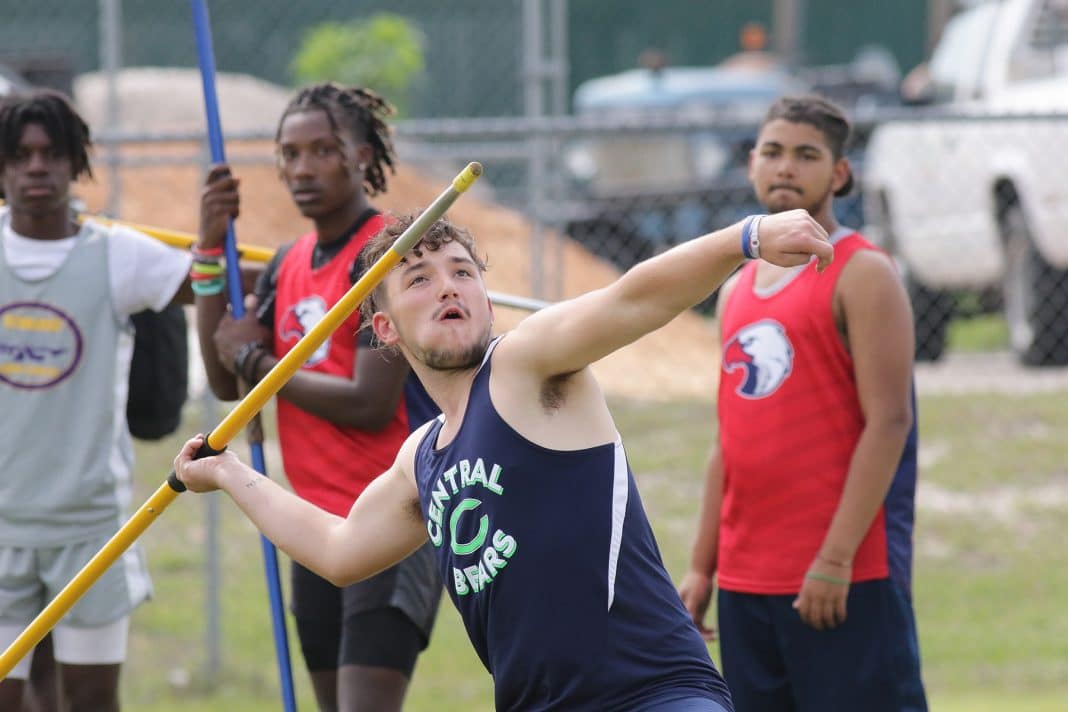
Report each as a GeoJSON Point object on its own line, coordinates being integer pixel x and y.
{"type": "Point", "coordinates": [991, 568]}
{"type": "Point", "coordinates": [983, 332]}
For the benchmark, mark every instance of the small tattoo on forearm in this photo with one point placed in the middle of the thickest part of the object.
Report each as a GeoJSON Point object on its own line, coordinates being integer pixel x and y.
{"type": "Point", "coordinates": [253, 482]}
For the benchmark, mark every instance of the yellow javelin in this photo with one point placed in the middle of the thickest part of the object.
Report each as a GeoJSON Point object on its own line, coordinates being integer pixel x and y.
{"type": "Point", "coordinates": [238, 418]}
{"type": "Point", "coordinates": [176, 238]}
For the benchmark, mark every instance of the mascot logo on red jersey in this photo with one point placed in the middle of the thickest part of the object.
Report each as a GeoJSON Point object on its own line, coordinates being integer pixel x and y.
{"type": "Point", "coordinates": [764, 354]}
{"type": "Point", "coordinates": [299, 320]}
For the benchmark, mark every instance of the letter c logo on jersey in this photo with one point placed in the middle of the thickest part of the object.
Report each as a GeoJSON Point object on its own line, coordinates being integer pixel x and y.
{"type": "Point", "coordinates": [299, 319]}
{"type": "Point", "coordinates": [765, 354]}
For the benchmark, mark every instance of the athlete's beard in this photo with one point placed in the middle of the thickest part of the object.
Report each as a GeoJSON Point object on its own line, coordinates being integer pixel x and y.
{"type": "Point", "coordinates": [813, 208]}
{"type": "Point", "coordinates": [462, 360]}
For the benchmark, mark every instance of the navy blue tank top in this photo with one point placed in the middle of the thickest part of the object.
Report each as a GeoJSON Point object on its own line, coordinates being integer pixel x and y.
{"type": "Point", "coordinates": [550, 559]}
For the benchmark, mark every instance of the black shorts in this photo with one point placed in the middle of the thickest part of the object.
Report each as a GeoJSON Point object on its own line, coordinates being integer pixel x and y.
{"type": "Point", "coordinates": [774, 662]}
{"type": "Point", "coordinates": [383, 621]}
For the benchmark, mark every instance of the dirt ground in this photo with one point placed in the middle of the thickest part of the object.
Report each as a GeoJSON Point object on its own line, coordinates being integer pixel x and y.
{"type": "Point", "coordinates": [678, 361]}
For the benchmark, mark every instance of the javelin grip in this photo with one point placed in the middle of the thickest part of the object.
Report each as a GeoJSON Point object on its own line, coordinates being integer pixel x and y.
{"type": "Point", "coordinates": [175, 484]}
{"type": "Point", "coordinates": [204, 450]}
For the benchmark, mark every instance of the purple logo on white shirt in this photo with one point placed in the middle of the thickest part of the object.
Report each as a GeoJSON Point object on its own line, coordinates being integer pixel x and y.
{"type": "Point", "coordinates": [40, 346]}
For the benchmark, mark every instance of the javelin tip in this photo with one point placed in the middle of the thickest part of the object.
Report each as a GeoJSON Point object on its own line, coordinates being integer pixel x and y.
{"type": "Point", "coordinates": [468, 176]}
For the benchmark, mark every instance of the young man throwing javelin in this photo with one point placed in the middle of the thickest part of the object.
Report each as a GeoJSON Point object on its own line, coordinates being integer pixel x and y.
{"type": "Point", "coordinates": [522, 485]}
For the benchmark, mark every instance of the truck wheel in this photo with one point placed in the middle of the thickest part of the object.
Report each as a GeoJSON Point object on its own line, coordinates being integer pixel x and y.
{"type": "Point", "coordinates": [932, 310]}
{"type": "Point", "coordinates": [1035, 296]}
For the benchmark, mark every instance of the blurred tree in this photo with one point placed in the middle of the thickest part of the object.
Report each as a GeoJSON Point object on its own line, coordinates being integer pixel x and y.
{"type": "Point", "coordinates": [383, 52]}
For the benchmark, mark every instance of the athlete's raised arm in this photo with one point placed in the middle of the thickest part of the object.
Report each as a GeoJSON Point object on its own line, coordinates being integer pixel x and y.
{"type": "Point", "coordinates": [570, 335]}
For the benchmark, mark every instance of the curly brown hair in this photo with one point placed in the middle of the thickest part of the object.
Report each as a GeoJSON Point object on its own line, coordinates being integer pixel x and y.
{"type": "Point", "coordinates": [439, 234]}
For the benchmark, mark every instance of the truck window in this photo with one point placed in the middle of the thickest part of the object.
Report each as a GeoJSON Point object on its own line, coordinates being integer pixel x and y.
{"type": "Point", "coordinates": [958, 59]}
{"type": "Point", "coordinates": [1044, 53]}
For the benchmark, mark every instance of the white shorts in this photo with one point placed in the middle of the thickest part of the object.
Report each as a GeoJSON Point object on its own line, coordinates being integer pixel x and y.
{"type": "Point", "coordinates": [93, 631]}
{"type": "Point", "coordinates": [102, 645]}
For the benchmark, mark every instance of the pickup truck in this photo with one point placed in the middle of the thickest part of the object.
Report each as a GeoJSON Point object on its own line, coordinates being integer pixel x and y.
{"type": "Point", "coordinates": [969, 194]}
{"type": "Point", "coordinates": [669, 158]}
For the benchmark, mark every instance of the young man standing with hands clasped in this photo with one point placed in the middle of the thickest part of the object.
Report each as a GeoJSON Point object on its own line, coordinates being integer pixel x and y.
{"type": "Point", "coordinates": [807, 516]}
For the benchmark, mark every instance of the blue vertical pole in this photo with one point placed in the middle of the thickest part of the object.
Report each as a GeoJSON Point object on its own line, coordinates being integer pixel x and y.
{"type": "Point", "coordinates": [206, 58]}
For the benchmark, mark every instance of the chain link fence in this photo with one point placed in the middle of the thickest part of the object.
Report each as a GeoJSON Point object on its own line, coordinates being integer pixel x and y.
{"type": "Point", "coordinates": [52, 40]}
{"type": "Point", "coordinates": [974, 210]}
{"type": "Point", "coordinates": [975, 226]}
{"type": "Point", "coordinates": [622, 185]}
{"type": "Point", "coordinates": [971, 208]}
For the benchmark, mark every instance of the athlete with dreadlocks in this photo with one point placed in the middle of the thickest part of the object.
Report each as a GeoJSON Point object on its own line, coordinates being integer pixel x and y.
{"type": "Point", "coordinates": [343, 417]}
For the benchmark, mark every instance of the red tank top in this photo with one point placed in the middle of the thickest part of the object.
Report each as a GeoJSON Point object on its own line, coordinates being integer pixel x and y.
{"type": "Point", "coordinates": [327, 464]}
{"type": "Point", "coordinates": [789, 420]}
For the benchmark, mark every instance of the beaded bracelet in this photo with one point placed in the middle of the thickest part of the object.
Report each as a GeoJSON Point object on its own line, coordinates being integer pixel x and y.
{"type": "Point", "coordinates": [205, 268]}
{"type": "Point", "coordinates": [210, 252]}
{"type": "Point", "coordinates": [207, 287]}
{"type": "Point", "coordinates": [206, 278]}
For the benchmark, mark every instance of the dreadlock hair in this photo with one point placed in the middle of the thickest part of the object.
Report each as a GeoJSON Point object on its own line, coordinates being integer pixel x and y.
{"type": "Point", "coordinates": [358, 110]}
{"type": "Point", "coordinates": [439, 234]}
{"type": "Point", "coordinates": [51, 110]}
{"type": "Point", "coordinates": [822, 115]}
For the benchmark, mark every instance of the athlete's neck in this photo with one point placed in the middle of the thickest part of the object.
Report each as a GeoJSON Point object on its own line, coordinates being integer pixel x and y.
{"type": "Point", "coordinates": [333, 227]}
{"type": "Point", "coordinates": [825, 217]}
{"type": "Point", "coordinates": [54, 224]}
{"type": "Point", "coordinates": [450, 390]}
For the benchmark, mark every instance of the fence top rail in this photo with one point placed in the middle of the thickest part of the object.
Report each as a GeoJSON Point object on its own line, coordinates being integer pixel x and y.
{"type": "Point", "coordinates": [519, 127]}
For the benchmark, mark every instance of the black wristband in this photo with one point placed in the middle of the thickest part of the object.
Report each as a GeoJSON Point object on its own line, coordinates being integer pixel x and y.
{"type": "Point", "coordinates": [254, 367]}
{"type": "Point", "coordinates": [241, 357]}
